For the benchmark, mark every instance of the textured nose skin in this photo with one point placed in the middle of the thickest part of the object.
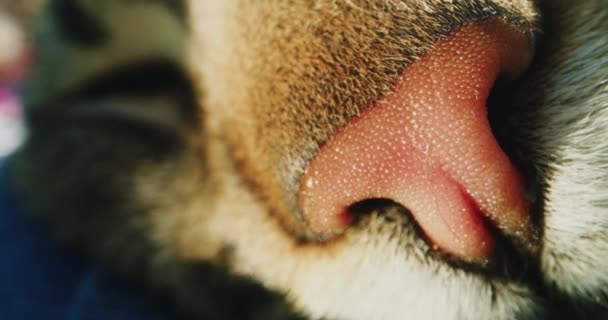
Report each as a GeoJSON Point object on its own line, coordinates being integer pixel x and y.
{"type": "Point", "coordinates": [428, 145]}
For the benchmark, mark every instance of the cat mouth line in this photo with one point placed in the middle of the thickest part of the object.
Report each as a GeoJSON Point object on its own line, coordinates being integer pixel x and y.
{"type": "Point", "coordinates": [428, 146]}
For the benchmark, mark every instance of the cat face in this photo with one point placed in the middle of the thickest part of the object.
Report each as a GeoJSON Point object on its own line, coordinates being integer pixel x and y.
{"type": "Point", "coordinates": [285, 78]}
{"type": "Point", "coordinates": [334, 60]}
{"type": "Point", "coordinates": [367, 159]}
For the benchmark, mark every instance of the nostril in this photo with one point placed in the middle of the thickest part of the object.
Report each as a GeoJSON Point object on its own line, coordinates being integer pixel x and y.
{"type": "Point", "coordinates": [428, 146]}
{"type": "Point", "coordinates": [367, 205]}
{"type": "Point", "coordinates": [505, 117]}
{"type": "Point", "coordinates": [391, 211]}
{"type": "Point", "coordinates": [362, 208]}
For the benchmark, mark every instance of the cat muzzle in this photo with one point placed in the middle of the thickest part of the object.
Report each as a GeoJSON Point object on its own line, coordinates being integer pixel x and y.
{"type": "Point", "coordinates": [428, 145]}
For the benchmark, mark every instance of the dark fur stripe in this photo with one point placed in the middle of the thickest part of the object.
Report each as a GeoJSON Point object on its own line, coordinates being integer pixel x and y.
{"type": "Point", "coordinates": [163, 141]}
{"type": "Point", "coordinates": [140, 79]}
{"type": "Point", "coordinates": [144, 79]}
{"type": "Point", "coordinates": [76, 25]}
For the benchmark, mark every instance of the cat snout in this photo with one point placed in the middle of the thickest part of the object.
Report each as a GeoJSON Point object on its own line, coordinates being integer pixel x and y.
{"type": "Point", "coordinates": [428, 145]}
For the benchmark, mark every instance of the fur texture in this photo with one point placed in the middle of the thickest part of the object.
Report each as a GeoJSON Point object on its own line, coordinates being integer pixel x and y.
{"type": "Point", "coordinates": [175, 146]}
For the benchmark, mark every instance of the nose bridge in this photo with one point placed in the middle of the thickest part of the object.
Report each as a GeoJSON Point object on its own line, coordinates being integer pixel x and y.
{"type": "Point", "coordinates": [428, 145]}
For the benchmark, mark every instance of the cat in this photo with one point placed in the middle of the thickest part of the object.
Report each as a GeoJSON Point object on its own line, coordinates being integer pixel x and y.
{"type": "Point", "coordinates": [242, 158]}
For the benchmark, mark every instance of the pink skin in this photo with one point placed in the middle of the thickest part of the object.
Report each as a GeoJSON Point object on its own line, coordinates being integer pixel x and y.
{"type": "Point", "coordinates": [13, 71]}
{"type": "Point", "coordinates": [9, 105]}
{"type": "Point", "coordinates": [428, 145]}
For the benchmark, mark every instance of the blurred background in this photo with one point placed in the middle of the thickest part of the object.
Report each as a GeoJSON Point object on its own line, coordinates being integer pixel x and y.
{"type": "Point", "coordinates": [11, 127]}
{"type": "Point", "coordinates": [15, 59]}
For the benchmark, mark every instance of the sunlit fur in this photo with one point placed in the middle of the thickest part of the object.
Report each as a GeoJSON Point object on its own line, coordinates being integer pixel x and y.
{"type": "Point", "coordinates": [273, 81]}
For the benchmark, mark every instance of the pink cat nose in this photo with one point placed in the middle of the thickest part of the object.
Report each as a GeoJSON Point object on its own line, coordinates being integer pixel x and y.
{"type": "Point", "coordinates": [428, 146]}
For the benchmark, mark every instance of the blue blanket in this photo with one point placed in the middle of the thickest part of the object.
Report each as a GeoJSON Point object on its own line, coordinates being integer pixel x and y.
{"type": "Point", "coordinates": [38, 280]}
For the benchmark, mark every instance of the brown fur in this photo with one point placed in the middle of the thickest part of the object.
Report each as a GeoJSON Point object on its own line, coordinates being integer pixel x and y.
{"type": "Point", "coordinates": [339, 57]}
